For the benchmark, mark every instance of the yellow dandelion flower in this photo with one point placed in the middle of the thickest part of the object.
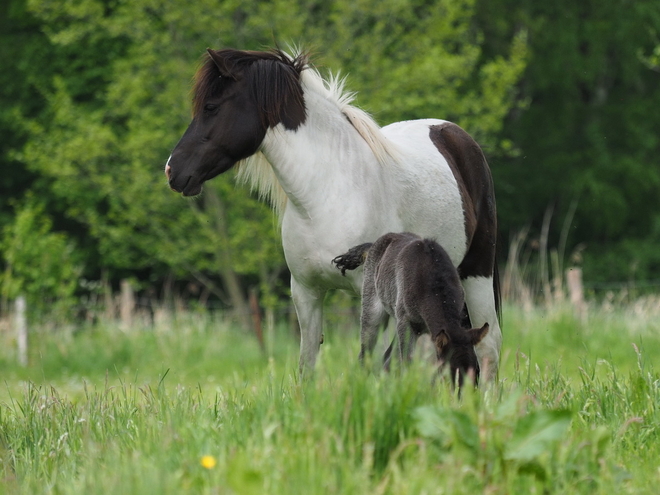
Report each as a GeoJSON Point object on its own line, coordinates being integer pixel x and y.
{"type": "Point", "coordinates": [208, 461]}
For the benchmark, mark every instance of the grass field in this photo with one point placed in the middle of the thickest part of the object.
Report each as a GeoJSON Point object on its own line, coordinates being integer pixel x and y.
{"type": "Point", "coordinates": [195, 407]}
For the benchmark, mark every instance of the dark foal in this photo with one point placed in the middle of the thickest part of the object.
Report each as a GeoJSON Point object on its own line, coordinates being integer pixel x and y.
{"type": "Point", "coordinates": [413, 280]}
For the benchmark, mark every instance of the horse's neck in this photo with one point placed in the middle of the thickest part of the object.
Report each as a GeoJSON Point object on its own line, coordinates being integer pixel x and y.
{"type": "Point", "coordinates": [321, 157]}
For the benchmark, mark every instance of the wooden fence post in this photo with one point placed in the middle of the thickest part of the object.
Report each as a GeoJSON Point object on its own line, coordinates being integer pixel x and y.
{"type": "Point", "coordinates": [576, 291]}
{"type": "Point", "coordinates": [127, 305]}
{"type": "Point", "coordinates": [270, 330]}
{"type": "Point", "coordinates": [21, 330]}
{"type": "Point", "coordinates": [256, 318]}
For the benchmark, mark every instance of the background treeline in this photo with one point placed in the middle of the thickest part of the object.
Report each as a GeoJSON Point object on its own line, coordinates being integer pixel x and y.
{"type": "Point", "coordinates": [564, 96]}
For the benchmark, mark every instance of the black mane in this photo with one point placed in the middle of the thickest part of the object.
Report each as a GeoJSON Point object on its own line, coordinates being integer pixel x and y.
{"type": "Point", "coordinates": [272, 77]}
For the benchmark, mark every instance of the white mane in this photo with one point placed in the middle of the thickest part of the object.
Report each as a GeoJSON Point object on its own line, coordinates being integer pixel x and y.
{"type": "Point", "coordinates": [258, 172]}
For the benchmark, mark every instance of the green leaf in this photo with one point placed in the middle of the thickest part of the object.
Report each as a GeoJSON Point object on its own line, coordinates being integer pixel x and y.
{"type": "Point", "coordinates": [465, 430]}
{"type": "Point", "coordinates": [534, 468]}
{"type": "Point", "coordinates": [243, 478]}
{"type": "Point", "coordinates": [429, 422]}
{"type": "Point", "coordinates": [448, 425]}
{"type": "Point", "coordinates": [535, 433]}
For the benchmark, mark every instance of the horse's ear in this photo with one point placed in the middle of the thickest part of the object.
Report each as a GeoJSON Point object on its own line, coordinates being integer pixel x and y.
{"type": "Point", "coordinates": [222, 65]}
{"type": "Point", "coordinates": [475, 335]}
{"type": "Point", "coordinates": [441, 340]}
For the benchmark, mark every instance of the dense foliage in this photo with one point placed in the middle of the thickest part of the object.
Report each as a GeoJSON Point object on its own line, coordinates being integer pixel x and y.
{"type": "Point", "coordinates": [589, 133]}
{"type": "Point", "coordinates": [96, 92]}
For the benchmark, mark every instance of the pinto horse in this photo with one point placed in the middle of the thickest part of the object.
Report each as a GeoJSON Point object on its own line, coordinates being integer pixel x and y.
{"type": "Point", "coordinates": [413, 280]}
{"type": "Point", "coordinates": [336, 179]}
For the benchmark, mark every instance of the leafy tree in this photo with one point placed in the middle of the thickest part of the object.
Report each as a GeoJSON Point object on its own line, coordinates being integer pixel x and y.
{"type": "Point", "coordinates": [104, 156]}
{"type": "Point", "coordinates": [20, 55]}
{"type": "Point", "coordinates": [117, 98]}
{"type": "Point", "coordinates": [40, 264]}
{"type": "Point", "coordinates": [590, 132]}
{"type": "Point", "coordinates": [420, 59]}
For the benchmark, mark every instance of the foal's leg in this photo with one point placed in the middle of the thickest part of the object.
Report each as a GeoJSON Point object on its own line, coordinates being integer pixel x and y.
{"type": "Point", "coordinates": [373, 317]}
{"type": "Point", "coordinates": [372, 313]}
{"type": "Point", "coordinates": [480, 301]}
{"type": "Point", "coordinates": [407, 336]}
{"type": "Point", "coordinates": [309, 307]}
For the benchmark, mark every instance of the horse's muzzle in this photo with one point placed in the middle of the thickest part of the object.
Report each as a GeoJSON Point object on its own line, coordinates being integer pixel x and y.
{"type": "Point", "coordinates": [188, 186]}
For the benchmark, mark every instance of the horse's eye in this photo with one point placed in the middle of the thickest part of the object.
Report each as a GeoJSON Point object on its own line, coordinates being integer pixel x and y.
{"type": "Point", "coordinates": [210, 108]}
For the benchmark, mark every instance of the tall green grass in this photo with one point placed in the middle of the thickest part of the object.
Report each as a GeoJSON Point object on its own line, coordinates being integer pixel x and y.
{"type": "Point", "coordinates": [104, 411]}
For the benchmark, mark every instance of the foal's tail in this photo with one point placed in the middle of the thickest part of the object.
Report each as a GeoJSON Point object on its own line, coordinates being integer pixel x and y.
{"type": "Point", "coordinates": [353, 258]}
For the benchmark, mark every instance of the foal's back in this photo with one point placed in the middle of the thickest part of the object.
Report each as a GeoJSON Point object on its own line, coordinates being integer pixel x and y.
{"type": "Point", "coordinates": [381, 267]}
{"type": "Point", "coordinates": [415, 279]}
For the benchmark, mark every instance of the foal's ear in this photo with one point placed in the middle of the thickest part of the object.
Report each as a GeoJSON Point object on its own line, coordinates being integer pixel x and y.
{"type": "Point", "coordinates": [475, 335]}
{"type": "Point", "coordinates": [221, 63]}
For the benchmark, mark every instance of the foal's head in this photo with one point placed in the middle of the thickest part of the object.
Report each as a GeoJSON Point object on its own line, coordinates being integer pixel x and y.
{"type": "Point", "coordinates": [237, 97]}
{"type": "Point", "coordinates": [456, 348]}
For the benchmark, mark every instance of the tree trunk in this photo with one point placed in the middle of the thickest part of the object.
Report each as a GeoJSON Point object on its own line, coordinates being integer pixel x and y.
{"type": "Point", "coordinates": [230, 280]}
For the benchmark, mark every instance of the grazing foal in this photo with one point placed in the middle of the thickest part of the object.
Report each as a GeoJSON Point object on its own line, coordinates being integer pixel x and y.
{"type": "Point", "coordinates": [413, 280]}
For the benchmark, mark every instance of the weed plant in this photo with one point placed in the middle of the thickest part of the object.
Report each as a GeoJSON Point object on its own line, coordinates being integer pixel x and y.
{"type": "Point", "coordinates": [195, 407]}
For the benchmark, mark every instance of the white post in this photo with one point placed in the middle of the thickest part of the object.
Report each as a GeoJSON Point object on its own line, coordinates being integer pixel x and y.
{"type": "Point", "coordinates": [21, 331]}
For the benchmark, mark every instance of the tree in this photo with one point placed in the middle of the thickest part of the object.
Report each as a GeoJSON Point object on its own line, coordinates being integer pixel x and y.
{"type": "Point", "coordinates": [40, 264]}
{"type": "Point", "coordinates": [22, 60]}
{"type": "Point", "coordinates": [118, 99]}
{"type": "Point", "coordinates": [421, 59]}
{"type": "Point", "coordinates": [590, 132]}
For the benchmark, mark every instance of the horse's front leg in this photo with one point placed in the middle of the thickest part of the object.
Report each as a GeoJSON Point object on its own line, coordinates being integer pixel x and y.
{"type": "Point", "coordinates": [309, 308]}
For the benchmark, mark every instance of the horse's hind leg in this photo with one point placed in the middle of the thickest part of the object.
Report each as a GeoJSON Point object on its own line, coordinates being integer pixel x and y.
{"type": "Point", "coordinates": [480, 300]}
{"type": "Point", "coordinates": [309, 307]}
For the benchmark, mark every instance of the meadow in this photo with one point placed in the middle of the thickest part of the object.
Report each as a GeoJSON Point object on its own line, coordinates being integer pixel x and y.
{"type": "Point", "coordinates": [193, 405]}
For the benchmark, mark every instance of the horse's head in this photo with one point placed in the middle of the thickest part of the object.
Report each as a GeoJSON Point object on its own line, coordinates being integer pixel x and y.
{"type": "Point", "coordinates": [237, 97]}
{"type": "Point", "coordinates": [457, 350]}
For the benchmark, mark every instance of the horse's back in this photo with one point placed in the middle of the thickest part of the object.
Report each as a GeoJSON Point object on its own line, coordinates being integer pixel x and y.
{"type": "Point", "coordinates": [449, 183]}
{"type": "Point", "coordinates": [426, 187]}
{"type": "Point", "coordinates": [410, 126]}
{"type": "Point", "coordinates": [423, 140]}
